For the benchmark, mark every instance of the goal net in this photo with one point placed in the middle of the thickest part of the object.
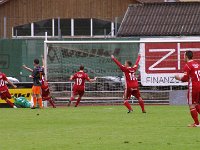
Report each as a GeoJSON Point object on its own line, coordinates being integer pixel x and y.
{"type": "Point", "coordinates": [161, 59]}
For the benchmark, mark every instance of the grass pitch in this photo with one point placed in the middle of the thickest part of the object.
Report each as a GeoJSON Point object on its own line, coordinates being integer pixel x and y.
{"type": "Point", "coordinates": [98, 128]}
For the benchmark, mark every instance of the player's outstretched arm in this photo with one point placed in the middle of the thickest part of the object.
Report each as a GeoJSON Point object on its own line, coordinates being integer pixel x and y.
{"type": "Point", "coordinates": [43, 65]}
{"type": "Point", "coordinates": [27, 68]}
{"type": "Point", "coordinates": [137, 62]}
{"type": "Point", "coordinates": [30, 76]}
{"type": "Point", "coordinates": [117, 62]}
{"type": "Point", "coordinates": [183, 79]}
{"type": "Point", "coordinates": [177, 77]}
{"type": "Point", "coordinates": [71, 78]}
{"type": "Point", "coordinates": [92, 80]}
{"type": "Point", "coordinates": [14, 86]}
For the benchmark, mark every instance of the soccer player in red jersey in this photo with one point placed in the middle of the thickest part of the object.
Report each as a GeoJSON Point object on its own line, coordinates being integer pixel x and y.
{"type": "Point", "coordinates": [192, 76]}
{"type": "Point", "coordinates": [4, 93]}
{"type": "Point", "coordinates": [46, 95]}
{"type": "Point", "coordinates": [131, 82]}
{"type": "Point", "coordinates": [79, 85]}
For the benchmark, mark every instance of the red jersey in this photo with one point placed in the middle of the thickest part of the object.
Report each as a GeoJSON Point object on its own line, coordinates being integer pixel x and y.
{"type": "Point", "coordinates": [129, 73]}
{"type": "Point", "coordinates": [192, 74]}
{"type": "Point", "coordinates": [3, 80]}
{"type": "Point", "coordinates": [79, 79]}
{"type": "Point", "coordinates": [45, 85]}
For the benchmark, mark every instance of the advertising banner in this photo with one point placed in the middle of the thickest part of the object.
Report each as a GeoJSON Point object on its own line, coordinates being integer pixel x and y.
{"type": "Point", "coordinates": [162, 61]}
{"type": "Point", "coordinates": [18, 93]}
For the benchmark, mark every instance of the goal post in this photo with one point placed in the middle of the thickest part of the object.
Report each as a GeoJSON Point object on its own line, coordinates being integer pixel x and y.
{"type": "Point", "coordinates": [161, 59]}
{"type": "Point", "coordinates": [63, 59]}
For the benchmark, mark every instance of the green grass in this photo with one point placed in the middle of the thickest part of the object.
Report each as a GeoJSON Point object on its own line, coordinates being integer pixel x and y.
{"type": "Point", "coordinates": [98, 128]}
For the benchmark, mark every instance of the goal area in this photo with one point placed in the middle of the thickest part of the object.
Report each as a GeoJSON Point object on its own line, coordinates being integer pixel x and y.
{"type": "Point", "coordinates": [160, 60]}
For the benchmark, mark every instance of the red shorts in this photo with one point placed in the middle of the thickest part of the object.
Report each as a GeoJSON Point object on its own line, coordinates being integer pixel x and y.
{"type": "Point", "coordinates": [5, 95]}
{"type": "Point", "coordinates": [193, 95]}
{"type": "Point", "coordinates": [131, 91]}
{"type": "Point", "coordinates": [45, 92]}
{"type": "Point", "coordinates": [78, 91]}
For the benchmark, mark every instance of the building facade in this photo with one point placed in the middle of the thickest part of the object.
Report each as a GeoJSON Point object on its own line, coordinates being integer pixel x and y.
{"type": "Point", "coordinates": [32, 18]}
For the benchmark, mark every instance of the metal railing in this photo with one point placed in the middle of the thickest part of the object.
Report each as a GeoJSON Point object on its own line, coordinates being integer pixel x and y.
{"type": "Point", "coordinates": [111, 93]}
{"type": "Point", "coordinates": [107, 92]}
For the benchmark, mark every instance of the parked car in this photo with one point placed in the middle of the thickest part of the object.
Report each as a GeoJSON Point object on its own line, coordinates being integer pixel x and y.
{"type": "Point", "coordinates": [106, 83]}
{"type": "Point", "coordinates": [14, 80]}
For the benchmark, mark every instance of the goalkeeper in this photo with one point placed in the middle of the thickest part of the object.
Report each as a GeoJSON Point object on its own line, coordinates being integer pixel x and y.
{"type": "Point", "coordinates": [22, 102]}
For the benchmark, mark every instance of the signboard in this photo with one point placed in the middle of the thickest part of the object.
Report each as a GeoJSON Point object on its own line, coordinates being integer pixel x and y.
{"type": "Point", "coordinates": [18, 93]}
{"type": "Point", "coordinates": [160, 62]}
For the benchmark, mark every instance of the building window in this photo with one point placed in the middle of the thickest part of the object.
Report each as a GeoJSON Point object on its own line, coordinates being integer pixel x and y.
{"type": "Point", "coordinates": [65, 27]}
{"type": "Point", "coordinates": [43, 26]}
{"type": "Point", "coordinates": [23, 30]}
{"type": "Point", "coordinates": [101, 27]}
{"type": "Point", "coordinates": [82, 27]}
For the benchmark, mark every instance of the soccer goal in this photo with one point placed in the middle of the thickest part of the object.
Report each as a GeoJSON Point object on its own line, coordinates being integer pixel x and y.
{"type": "Point", "coordinates": [161, 59]}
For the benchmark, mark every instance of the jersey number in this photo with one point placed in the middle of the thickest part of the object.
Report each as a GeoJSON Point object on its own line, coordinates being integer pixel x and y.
{"type": "Point", "coordinates": [78, 81]}
{"type": "Point", "coordinates": [132, 76]}
{"type": "Point", "coordinates": [198, 74]}
{"type": "Point", "coordinates": [2, 83]}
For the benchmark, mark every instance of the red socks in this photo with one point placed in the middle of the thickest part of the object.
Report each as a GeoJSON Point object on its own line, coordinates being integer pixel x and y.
{"type": "Point", "coordinates": [198, 108]}
{"type": "Point", "coordinates": [72, 99]}
{"type": "Point", "coordinates": [49, 99]}
{"type": "Point", "coordinates": [194, 115]}
{"type": "Point", "coordinates": [78, 101]}
{"type": "Point", "coordinates": [10, 103]}
{"type": "Point", "coordinates": [141, 103]}
{"type": "Point", "coordinates": [52, 103]}
{"type": "Point", "coordinates": [126, 103]}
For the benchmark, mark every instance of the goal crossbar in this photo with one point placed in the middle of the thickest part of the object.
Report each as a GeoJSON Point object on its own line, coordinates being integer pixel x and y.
{"type": "Point", "coordinates": [124, 41]}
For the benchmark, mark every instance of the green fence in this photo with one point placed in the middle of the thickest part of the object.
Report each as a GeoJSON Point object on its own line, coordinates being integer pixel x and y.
{"type": "Point", "coordinates": [15, 53]}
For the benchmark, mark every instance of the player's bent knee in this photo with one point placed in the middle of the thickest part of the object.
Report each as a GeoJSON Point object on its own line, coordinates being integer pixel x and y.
{"type": "Point", "coordinates": [34, 96]}
{"type": "Point", "coordinates": [191, 106]}
{"type": "Point", "coordinates": [38, 96]}
{"type": "Point", "coordinates": [125, 101]}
